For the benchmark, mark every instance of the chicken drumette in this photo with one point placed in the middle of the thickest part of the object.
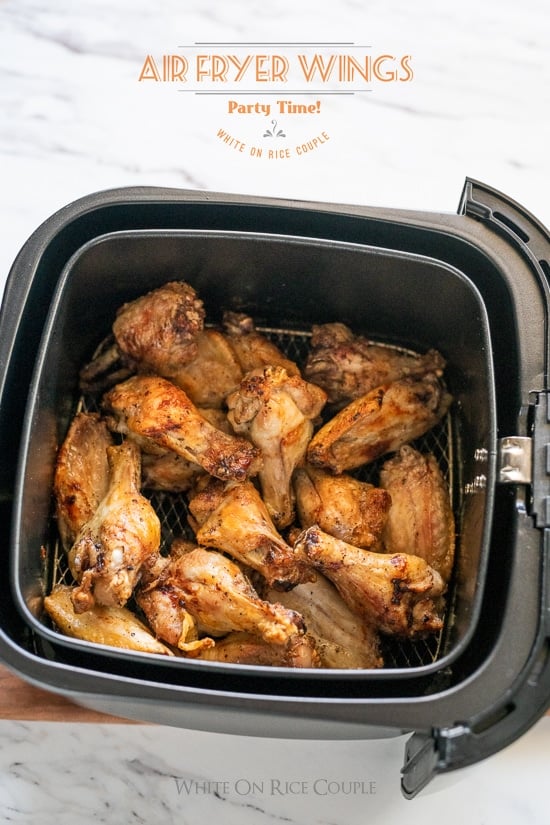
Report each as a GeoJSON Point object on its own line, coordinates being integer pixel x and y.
{"type": "Point", "coordinates": [400, 594]}
{"type": "Point", "coordinates": [378, 423]}
{"type": "Point", "coordinates": [213, 373]}
{"type": "Point", "coordinates": [160, 417]}
{"type": "Point", "coordinates": [351, 510]}
{"type": "Point", "coordinates": [221, 599]}
{"type": "Point", "coordinates": [156, 333]}
{"type": "Point", "coordinates": [253, 349]}
{"type": "Point", "coordinates": [81, 474]}
{"type": "Point", "coordinates": [420, 520]}
{"type": "Point", "coordinates": [276, 411]}
{"type": "Point", "coordinates": [110, 549]}
{"type": "Point", "coordinates": [348, 366]}
{"type": "Point", "coordinates": [232, 517]}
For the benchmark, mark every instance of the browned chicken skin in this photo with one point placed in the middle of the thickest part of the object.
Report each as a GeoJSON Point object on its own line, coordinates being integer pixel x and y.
{"type": "Point", "coordinates": [245, 648]}
{"type": "Point", "coordinates": [399, 593]}
{"type": "Point", "coordinates": [232, 517]}
{"type": "Point", "coordinates": [342, 638]}
{"type": "Point", "coordinates": [81, 474]}
{"type": "Point", "coordinates": [348, 366]}
{"type": "Point", "coordinates": [168, 471]}
{"type": "Point", "coordinates": [253, 349]}
{"type": "Point", "coordinates": [157, 333]}
{"type": "Point", "coordinates": [378, 423]}
{"type": "Point", "coordinates": [221, 599]}
{"type": "Point", "coordinates": [420, 520]}
{"type": "Point", "coordinates": [276, 411]}
{"type": "Point", "coordinates": [351, 510]}
{"type": "Point", "coordinates": [213, 373]}
{"type": "Point", "coordinates": [109, 550]}
{"type": "Point", "coordinates": [161, 417]}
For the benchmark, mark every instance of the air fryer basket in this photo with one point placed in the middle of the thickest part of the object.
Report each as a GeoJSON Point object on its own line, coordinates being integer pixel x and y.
{"type": "Point", "coordinates": [286, 284]}
{"type": "Point", "coordinates": [473, 285]}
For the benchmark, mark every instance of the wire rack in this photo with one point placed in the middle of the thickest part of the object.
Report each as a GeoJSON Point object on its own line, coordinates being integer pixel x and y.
{"type": "Point", "coordinates": [171, 509]}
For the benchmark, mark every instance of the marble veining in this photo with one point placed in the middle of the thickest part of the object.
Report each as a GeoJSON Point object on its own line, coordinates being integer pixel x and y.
{"type": "Point", "coordinates": [75, 120]}
{"type": "Point", "coordinates": [65, 773]}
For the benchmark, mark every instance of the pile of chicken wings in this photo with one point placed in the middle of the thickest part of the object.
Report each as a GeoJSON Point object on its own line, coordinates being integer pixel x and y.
{"type": "Point", "coordinates": [290, 559]}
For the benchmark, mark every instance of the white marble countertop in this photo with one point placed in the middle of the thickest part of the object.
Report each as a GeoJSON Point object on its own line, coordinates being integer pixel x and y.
{"type": "Point", "coordinates": [76, 119]}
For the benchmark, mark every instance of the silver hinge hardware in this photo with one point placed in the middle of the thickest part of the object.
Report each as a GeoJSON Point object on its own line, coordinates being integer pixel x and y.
{"type": "Point", "coordinates": [515, 460]}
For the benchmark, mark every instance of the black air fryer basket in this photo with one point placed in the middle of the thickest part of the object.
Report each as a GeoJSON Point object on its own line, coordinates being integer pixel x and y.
{"type": "Point", "coordinates": [473, 285]}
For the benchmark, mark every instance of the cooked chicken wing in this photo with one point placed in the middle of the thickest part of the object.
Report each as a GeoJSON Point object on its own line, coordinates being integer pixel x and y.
{"type": "Point", "coordinates": [420, 520]}
{"type": "Point", "coordinates": [157, 333]}
{"type": "Point", "coordinates": [276, 411]}
{"type": "Point", "coordinates": [351, 510]}
{"type": "Point", "coordinates": [168, 471]}
{"type": "Point", "coordinates": [400, 594]}
{"type": "Point", "coordinates": [109, 550]}
{"type": "Point", "coordinates": [221, 599]}
{"type": "Point", "coordinates": [81, 474]}
{"type": "Point", "coordinates": [379, 422]}
{"type": "Point", "coordinates": [232, 517]}
{"type": "Point", "coordinates": [213, 373]}
{"type": "Point", "coordinates": [164, 609]}
{"type": "Point", "coordinates": [348, 366]}
{"type": "Point", "coordinates": [342, 638]}
{"type": "Point", "coordinates": [245, 648]}
{"type": "Point", "coordinates": [114, 626]}
{"type": "Point", "coordinates": [253, 349]}
{"type": "Point", "coordinates": [161, 417]}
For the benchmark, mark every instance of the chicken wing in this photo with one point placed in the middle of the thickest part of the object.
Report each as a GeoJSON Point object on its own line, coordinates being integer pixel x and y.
{"type": "Point", "coordinates": [161, 417]}
{"type": "Point", "coordinates": [156, 332]}
{"type": "Point", "coordinates": [342, 638]}
{"type": "Point", "coordinates": [400, 594]}
{"type": "Point", "coordinates": [213, 373]}
{"type": "Point", "coordinates": [243, 648]}
{"type": "Point", "coordinates": [109, 550]}
{"type": "Point", "coordinates": [81, 474]}
{"type": "Point", "coordinates": [379, 422]}
{"type": "Point", "coordinates": [253, 349]}
{"type": "Point", "coordinates": [351, 510]}
{"type": "Point", "coordinates": [348, 366]}
{"type": "Point", "coordinates": [113, 626]}
{"type": "Point", "coordinates": [276, 411]}
{"type": "Point", "coordinates": [420, 520]}
{"type": "Point", "coordinates": [232, 517]}
{"type": "Point", "coordinates": [221, 599]}
{"type": "Point", "coordinates": [168, 471]}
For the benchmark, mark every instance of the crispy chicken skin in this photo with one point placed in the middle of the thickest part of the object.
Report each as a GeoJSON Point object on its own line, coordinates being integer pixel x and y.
{"type": "Point", "coordinates": [213, 373]}
{"type": "Point", "coordinates": [420, 520]}
{"type": "Point", "coordinates": [342, 638]}
{"type": "Point", "coordinates": [253, 349]}
{"type": "Point", "coordinates": [221, 599]}
{"type": "Point", "coordinates": [378, 423]}
{"type": "Point", "coordinates": [351, 510]}
{"type": "Point", "coordinates": [400, 594]}
{"type": "Point", "coordinates": [168, 471]}
{"type": "Point", "coordinates": [156, 332]}
{"type": "Point", "coordinates": [348, 366]}
{"type": "Point", "coordinates": [81, 474]}
{"type": "Point", "coordinates": [243, 648]}
{"type": "Point", "coordinates": [114, 626]}
{"type": "Point", "coordinates": [276, 412]}
{"type": "Point", "coordinates": [109, 550]}
{"type": "Point", "coordinates": [232, 517]}
{"type": "Point", "coordinates": [161, 417]}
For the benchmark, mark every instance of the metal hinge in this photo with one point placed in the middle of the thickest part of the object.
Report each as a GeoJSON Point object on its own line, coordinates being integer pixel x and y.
{"type": "Point", "coordinates": [515, 460]}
